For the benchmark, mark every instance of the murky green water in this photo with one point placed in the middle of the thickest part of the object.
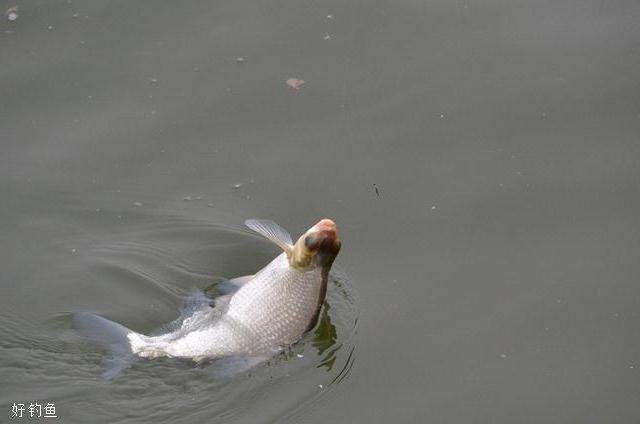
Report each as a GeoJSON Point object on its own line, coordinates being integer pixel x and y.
{"type": "Point", "coordinates": [481, 160]}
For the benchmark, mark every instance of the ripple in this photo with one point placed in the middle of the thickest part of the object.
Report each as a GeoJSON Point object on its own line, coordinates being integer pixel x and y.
{"type": "Point", "coordinates": [163, 260]}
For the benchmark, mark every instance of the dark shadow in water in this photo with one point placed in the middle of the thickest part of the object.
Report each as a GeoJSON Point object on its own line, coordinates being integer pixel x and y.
{"type": "Point", "coordinates": [325, 339]}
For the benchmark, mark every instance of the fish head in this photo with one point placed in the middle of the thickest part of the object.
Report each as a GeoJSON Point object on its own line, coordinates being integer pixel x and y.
{"type": "Point", "coordinates": [317, 247]}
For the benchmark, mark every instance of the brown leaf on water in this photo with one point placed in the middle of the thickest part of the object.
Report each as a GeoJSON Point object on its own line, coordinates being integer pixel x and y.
{"type": "Point", "coordinates": [295, 83]}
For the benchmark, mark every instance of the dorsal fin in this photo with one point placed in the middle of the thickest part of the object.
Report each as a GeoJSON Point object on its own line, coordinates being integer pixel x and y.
{"type": "Point", "coordinates": [273, 232]}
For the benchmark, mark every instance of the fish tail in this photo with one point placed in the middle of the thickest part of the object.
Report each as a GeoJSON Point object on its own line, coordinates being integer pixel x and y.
{"type": "Point", "coordinates": [114, 338]}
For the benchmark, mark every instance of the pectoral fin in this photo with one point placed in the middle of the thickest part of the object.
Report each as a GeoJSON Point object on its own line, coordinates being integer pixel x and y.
{"type": "Point", "coordinates": [273, 232]}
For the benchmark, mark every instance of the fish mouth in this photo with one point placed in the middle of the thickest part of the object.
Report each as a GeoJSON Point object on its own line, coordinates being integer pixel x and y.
{"type": "Point", "coordinates": [324, 241]}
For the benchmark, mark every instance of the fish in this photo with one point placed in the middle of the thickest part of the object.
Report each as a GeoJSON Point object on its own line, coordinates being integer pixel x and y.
{"type": "Point", "coordinates": [258, 316]}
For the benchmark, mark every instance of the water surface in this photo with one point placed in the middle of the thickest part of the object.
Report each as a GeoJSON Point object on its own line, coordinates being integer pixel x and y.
{"type": "Point", "coordinates": [481, 160]}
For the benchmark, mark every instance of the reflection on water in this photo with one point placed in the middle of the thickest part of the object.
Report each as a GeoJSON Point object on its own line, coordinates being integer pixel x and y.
{"type": "Point", "coordinates": [325, 336]}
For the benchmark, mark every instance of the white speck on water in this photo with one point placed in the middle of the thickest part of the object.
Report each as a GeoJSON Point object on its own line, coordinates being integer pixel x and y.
{"type": "Point", "coordinates": [153, 80]}
{"type": "Point", "coordinates": [327, 36]}
{"type": "Point", "coordinates": [187, 198]}
{"type": "Point", "coordinates": [73, 250]}
{"type": "Point", "coordinates": [321, 386]}
{"type": "Point", "coordinates": [50, 27]}
{"type": "Point", "coordinates": [442, 116]}
{"type": "Point", "coordinates": [138, 204]}
{"type": "Point", "coordinates": [12, 14]}
{"type": "Point", "coordinates": [210, 205]}
{"type": "Point", "coordinates": [503, 355]}
{"type": "Point", "coordinates": [89, 97]}
{"type": "Point", "coordinates": [433, 208]}
{"type": "Point", "coordinates": [299, 355]}
{"type": "Point", "coordinates": [239, 59]}
{"type": "Point", "coordinates": [237, 185]}
{"type": "Point", "coordinates": [75, 15]}
{"type": "Point", "coordinates": [329, 16]}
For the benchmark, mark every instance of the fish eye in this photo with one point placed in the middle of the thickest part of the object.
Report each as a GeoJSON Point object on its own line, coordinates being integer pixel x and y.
{"type": "Point", "coordinates": [310, 241]}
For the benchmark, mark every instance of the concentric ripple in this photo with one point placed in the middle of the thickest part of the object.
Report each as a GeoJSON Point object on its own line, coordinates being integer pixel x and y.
{"type": "Point", "coordinates": [144, 273]}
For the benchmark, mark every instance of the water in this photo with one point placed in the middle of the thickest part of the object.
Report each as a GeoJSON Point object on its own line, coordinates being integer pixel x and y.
{"type": "Point", "coordinates": [481, 160]}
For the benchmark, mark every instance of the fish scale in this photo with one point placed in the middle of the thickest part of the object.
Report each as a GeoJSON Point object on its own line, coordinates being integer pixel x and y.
{"type": "Point", "coordinates": [270, 311]}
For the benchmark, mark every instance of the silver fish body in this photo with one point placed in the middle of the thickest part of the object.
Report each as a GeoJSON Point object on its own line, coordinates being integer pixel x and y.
{"type": "Point", "coordinates": [267, 312]}
{"type": "Point", "coordinates": [272, 310]}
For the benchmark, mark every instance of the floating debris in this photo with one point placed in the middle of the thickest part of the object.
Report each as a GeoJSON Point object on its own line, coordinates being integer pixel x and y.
{"type": "Point", "coordinates": [12, 14]}
{"type": "Point", "coordinates": [329, 16]}
{"type": "Point", "coordinates": [239, 59]}
{"type": "Point", "coordinates": [210, 205]}
{"type": "Point", "coordinates": [321, 386]}
{"type": "Point", "coordinates": [187, 198]}
{"type": "Point", "coordinates": [75, 15]}
{"type": "Point", "coordinates": [299, 355]}
{"type": "Point", "coordinates": [237, 185]}
{"type": "Point", "coordinates": [50, 27]}
{"type": "Point", "coordinates": [327, 36]}
{"type": "Point", "coordinates": [73, 250]}
{"type": "Point", "coordinates": [503, 356]}
{"type": "Point", "coordinates": [153, 80]}
{"type": "Point", "coordinates": [295, 83]}
{"type": "Point", "coordinates": [433, 208]}
{"type": "Point", "coordinates": [375, 187]}
{"type": "Point", "coordinates": [137, 204]}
